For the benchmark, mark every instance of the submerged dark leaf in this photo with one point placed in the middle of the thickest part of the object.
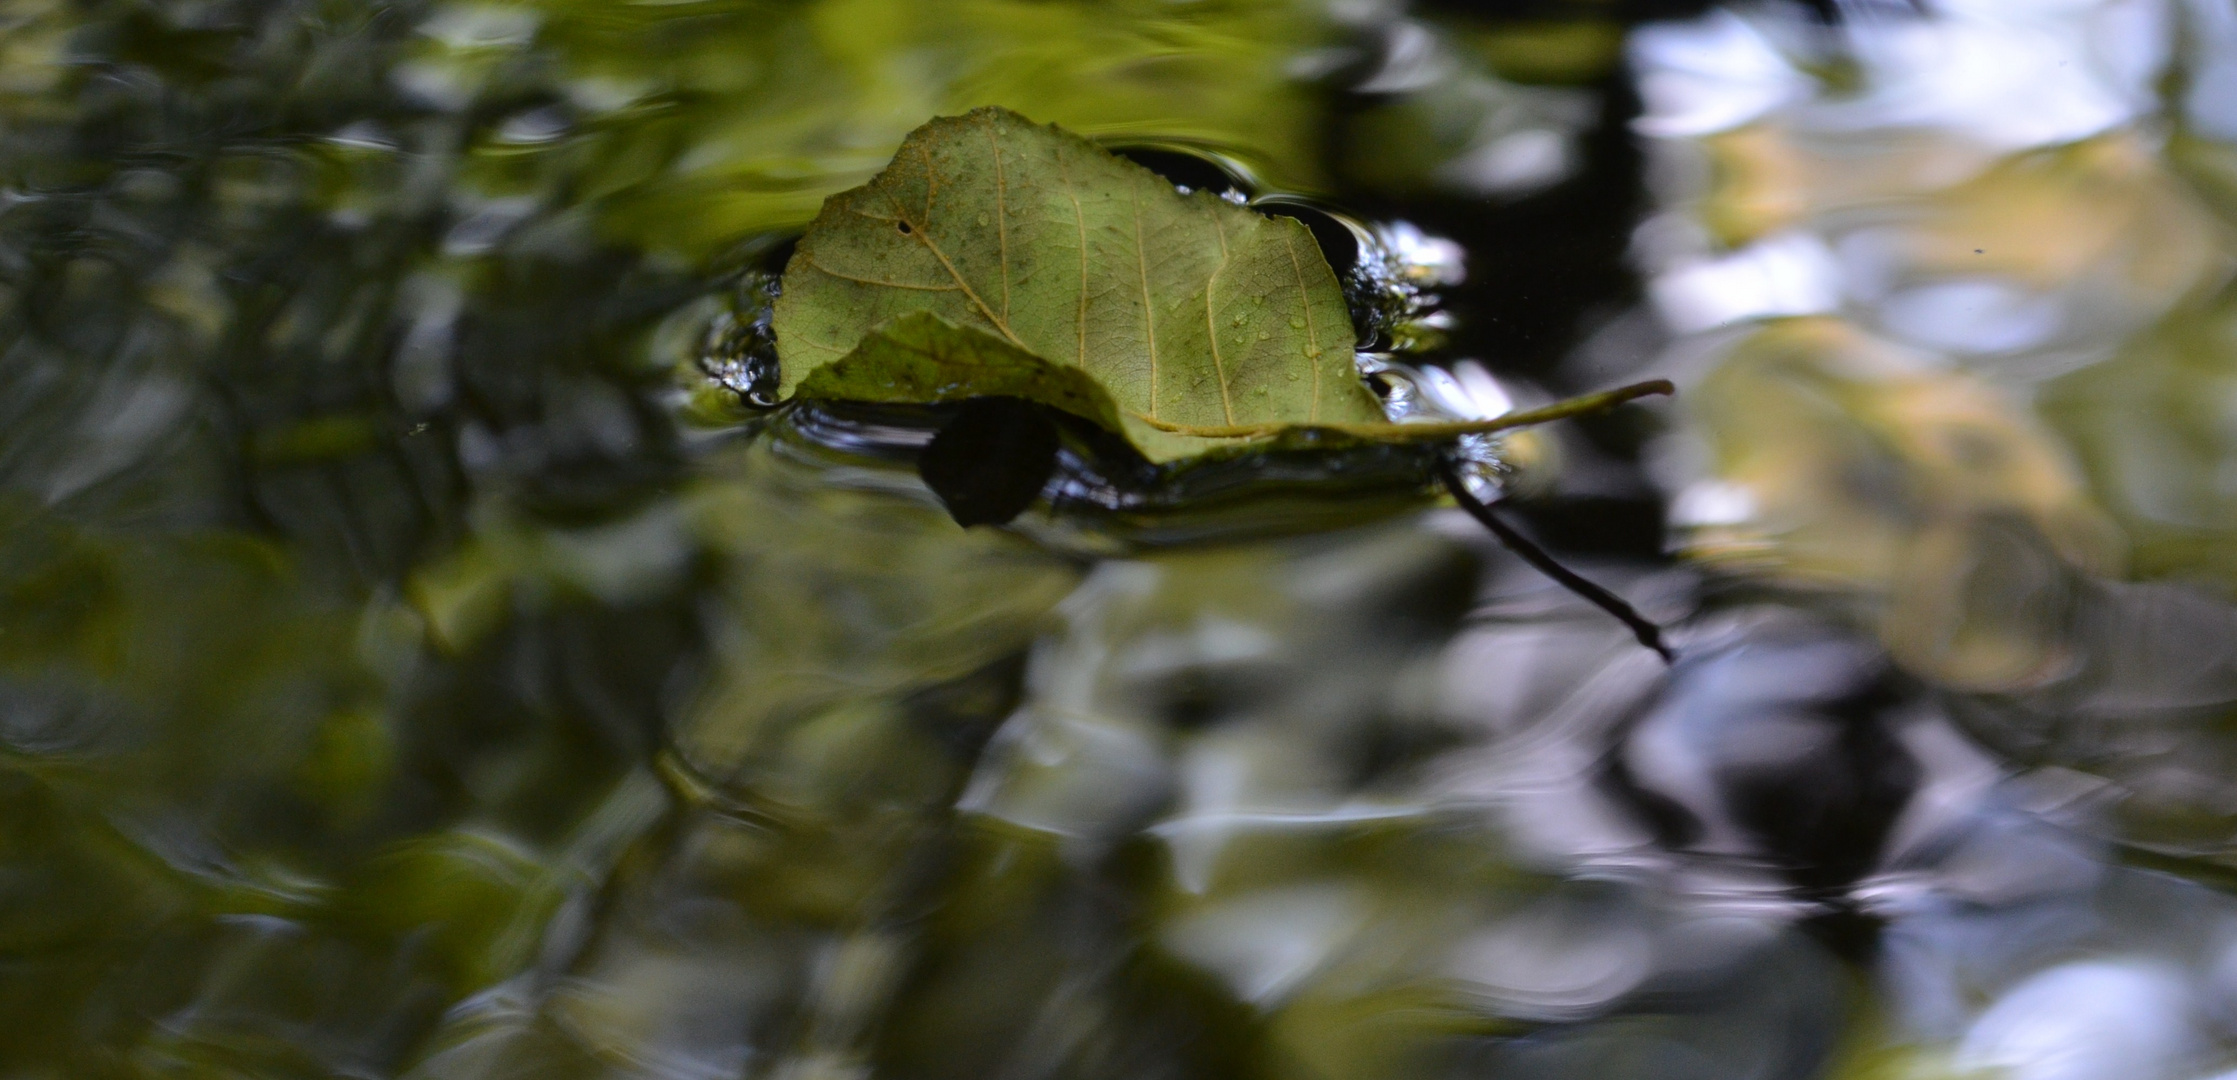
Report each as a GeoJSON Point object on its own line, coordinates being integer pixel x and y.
{"type": "Point", "coordinates": [988, 463]}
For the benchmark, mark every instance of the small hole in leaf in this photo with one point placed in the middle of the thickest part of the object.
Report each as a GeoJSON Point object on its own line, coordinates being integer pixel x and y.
{"type": "Point", "coordinates": [904, 227]}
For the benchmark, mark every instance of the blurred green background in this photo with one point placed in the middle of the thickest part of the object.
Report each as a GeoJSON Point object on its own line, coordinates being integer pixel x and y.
{"type": "Point", "coordinates": [412, 663]}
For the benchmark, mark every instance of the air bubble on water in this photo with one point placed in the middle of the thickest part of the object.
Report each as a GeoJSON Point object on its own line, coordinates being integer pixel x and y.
{"type": "Point", "coordinates": [1388, 288]}
{"type": "Point", "coordinates": [738, 349]}
{"type": "Point", "coordinates": [1482, 466]}
{"type": "Point", "coordinates": [534, 126]}
{"type": "Point", "coordinates": [1465, 391]}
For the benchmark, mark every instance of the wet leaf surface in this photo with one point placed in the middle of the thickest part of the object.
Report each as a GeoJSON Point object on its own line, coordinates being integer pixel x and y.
{"type": "Point", "coordinates": [1186, 309]}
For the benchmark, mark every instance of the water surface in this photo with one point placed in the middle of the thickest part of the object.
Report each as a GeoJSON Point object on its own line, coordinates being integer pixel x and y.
{"type": "Point", "coordinates": [423, 653]}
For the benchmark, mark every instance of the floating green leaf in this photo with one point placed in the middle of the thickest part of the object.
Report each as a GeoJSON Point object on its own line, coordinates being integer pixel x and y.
{"type": "Point", "coordinates": [998, 257]}
{"type": "Point", "coordinates": [1189, 311]}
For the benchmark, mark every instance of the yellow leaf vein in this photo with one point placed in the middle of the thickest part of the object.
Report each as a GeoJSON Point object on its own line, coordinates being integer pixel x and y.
{"type": "Point", "coordinates": [844, 276]}
{"type": "Point", "coordinates": [1079, 221]}
{"type": "Point", "coordinates": [1001, 213]}
{"type": "Point", "coordinates": [923, 235]}
{"type": "Point", "coordinates": [1312, 339]}
{"type": "Point", "coordinates": [1211, 326]}
{"type": "Point", "coordinates": [1149, 313]}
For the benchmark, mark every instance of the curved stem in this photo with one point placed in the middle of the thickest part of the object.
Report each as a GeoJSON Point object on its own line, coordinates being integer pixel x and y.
{"type": "Point", "coordinates": [1649, 634]}
{"type": "Point", "coordinates": [1418, 432]}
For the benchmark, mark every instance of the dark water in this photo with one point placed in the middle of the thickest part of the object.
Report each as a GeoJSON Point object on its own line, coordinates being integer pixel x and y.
{"type": "Point", "coordinates": [420, 656]}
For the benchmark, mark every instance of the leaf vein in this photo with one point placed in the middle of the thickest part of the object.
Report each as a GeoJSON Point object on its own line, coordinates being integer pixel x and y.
{"type": "Point", "coordinates": [844, 276]}
{"type": "Point", "coordinates": [923, 235]}
{"type": "Point", "coordinates": [1149, 313]}
{"type": "Point", "coordinates": [1211, 325]}
{"type": "Point", "coordinates": [1001, 213]}
{"type": "Point", "coordinates": [1312, 339]}
{"type": "Point", "coordinates": [1079, 221]}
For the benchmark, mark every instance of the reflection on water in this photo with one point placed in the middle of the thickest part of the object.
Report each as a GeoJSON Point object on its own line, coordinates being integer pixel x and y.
{"type": "Point", "coordinates": [423, 652]}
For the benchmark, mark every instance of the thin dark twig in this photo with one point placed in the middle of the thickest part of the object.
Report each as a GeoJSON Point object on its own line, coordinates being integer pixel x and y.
{"type": "Point", "coordinates": [1642, 628]}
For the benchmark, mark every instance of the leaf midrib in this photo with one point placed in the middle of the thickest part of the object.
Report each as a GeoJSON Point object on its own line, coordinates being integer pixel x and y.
{"type": "Point", "coordinates": [923, 234]}
{"type": "Point", "coordinates": [1149, 313]}
{"type": "Point", "coordinates": [1211, 324]}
